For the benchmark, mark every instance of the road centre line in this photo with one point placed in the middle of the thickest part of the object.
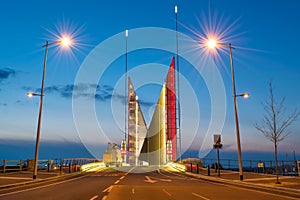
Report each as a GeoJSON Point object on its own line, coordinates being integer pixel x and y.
{"type": "Point", "coordinates": [198, 195]}
{"type": "Point", "coordinates": [117, 181]}
{"type": "Point", "coordinates": [108, 189]}
{"type": "Point", "coordinates": [94, 197]}
{"type": "Point", "coordinates": [166, 192]}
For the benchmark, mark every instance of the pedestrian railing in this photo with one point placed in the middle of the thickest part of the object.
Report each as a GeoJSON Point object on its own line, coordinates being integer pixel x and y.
{"type": "Point", "coordinates": [285, 167]}
{"type": "Point", "coordinates": [63, 165]}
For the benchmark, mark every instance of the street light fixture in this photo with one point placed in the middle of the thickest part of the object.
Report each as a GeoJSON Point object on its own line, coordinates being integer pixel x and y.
{"type": "Point", "coordinates": [30, 94]}
{"type": "Point", "coordinates": [65, 41]}
{"type": "Point", "coordinates": [245, 95]}
{"type": "Point", "coordinates": [212, 43]}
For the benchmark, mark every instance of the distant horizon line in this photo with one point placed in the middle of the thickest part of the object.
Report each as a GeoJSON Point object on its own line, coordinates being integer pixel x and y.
{"type": "Point", "coordinates": [66, 141]}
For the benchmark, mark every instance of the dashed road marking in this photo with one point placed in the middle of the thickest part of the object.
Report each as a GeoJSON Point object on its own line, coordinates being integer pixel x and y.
{"type": "Point", "coordinates": [167, 193]}
{"type": "Point", "coordinates": [104, 197]}
{"type": "Point", "coordinates": [108, 189]}
{"type": "Point", "coordinates": [117, 181]}
{"type": "Point", "coordinates": [132, 190]}
{"type": "Point", "coordinates": [198, 195]}
{"type": "Point", "coordinates": [94, 197]}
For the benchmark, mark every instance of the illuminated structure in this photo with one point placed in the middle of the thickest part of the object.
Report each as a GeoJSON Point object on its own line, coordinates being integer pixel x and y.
{"type": "Point", "coordinates": [171, 127]}
{"type": "Point", "coordinates": [136, 126]}
{"type": "Point", "coordinates": [157, 144]}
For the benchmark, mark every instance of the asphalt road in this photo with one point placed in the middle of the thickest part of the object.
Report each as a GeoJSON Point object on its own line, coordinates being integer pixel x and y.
{"type": "Point", "coordinates": [135, 183]}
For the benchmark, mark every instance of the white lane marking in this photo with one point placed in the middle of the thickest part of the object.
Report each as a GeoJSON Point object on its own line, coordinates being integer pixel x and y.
{"type": "Point", "coordinates": [166, 192]}
{"type": "Point", "coordinates": [108, 189]}
{"type": "Point", "coordinates": [117, 182]}
{"type": "Point", "coordinates": [129, 171]}
{"type": "Point", "coordinates": [17, 178]}
{"type": "Point", "coordinates": [198, 195]}
{"type": "Point", "coordinates": [132, 190]}
{"type": "Point", "coordinates": [104, 197]}
{"type": "Point", "coordinates": [122, 177]}
{"type": "Point", "coordinates": [94, 197]}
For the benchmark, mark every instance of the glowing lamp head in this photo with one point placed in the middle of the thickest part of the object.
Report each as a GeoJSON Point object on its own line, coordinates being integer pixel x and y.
{"type": "Point", "coordinates": [29, 94]}
{"type": "Point", "coordinates": [246, 95]}
{"type": "Point", "coordinates": [66, 41]}
{"type": "Point", "coordinates": [211, 43]}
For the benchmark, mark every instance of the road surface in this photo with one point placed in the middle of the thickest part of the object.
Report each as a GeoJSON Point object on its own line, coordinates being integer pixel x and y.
{"type": "Point", "coordinates": [135, 183]}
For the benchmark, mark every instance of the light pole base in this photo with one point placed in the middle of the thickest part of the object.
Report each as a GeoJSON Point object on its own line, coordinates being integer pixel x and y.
{"type": "Point", "coordinates": [241, 177]}
{"type": "Point", "coordinates": [34, 177]}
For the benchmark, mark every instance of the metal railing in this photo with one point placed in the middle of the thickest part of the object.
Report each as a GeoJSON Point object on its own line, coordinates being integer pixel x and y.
{"type": "Point", "coordinates": [63, 165]}
{"type": "Point", "coordinates": [285, 167]}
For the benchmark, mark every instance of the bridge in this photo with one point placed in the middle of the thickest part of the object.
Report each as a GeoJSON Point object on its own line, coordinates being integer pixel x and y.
{"type": "Point", "coordinates": [94, 180]}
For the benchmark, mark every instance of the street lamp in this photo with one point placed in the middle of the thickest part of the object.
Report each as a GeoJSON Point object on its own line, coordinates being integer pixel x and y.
{"type": "Point", "coordinates": [213, 44]}
{"type": "Point", "coordinates": [65, 41]}
{"type": "Point", "coordinates": [30, 94]}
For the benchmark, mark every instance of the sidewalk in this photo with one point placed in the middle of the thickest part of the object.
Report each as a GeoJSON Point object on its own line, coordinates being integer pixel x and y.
{"type": "Point", "coordinates": [290, 185]}
{"type": "Point", "coordinates": [12, 179]}
{"type": "Point", "coordinates": [25, 177]}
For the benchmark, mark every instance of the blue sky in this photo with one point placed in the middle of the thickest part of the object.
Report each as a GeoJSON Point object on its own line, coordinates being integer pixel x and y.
{"type": "Point", "coordinates": [266, 34]}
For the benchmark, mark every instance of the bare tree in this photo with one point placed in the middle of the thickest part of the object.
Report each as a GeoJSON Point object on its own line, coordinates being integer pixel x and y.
{"type": "Point", "coordinates": [276, 122]}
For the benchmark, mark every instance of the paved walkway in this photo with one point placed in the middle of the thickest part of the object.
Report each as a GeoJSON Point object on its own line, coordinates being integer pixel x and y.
{"type": "Point", "coordinates": [289, 185]}
{"type": "Point", "coordinates": [23, 177]}
{"type": "Point", "coordinates": [288, 182]}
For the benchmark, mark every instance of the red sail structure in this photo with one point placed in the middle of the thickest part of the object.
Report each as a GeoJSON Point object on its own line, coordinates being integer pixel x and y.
{"type": "Point", "coordinates": [171, 127]}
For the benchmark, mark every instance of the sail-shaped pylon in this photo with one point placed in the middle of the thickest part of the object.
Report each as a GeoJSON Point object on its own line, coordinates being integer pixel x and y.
{"type": "Point", "coordinates": [160, 144]}
{"type": "Point", "coordinates": [137, 128]}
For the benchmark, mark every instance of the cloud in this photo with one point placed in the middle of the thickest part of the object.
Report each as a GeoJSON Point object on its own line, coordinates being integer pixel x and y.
{"type": "Point", "coordinates": [103, 92]}
{"type": "Point", "coordinates": [5, 73]}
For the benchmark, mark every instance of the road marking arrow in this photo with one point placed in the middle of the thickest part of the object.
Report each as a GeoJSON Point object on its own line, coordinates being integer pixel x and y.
{"type": "Point", "coordinates": [165, 180]}
{"type": "Point", "coordinates": [149, 180]}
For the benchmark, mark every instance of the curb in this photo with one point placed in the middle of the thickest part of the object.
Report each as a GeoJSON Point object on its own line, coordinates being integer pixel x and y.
{"type": "Point", "coordinates": [264, 188]}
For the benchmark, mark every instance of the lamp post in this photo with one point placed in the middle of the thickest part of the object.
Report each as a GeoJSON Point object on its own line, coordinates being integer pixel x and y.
{"type": "Point", "coordinates": [65, 42]}
{"type": "Point", "coordinates": [178, 88]}
{"type": "Point", "coordinates": [136, 130]}
{"type": "Point", "coordinates": [212, 44]}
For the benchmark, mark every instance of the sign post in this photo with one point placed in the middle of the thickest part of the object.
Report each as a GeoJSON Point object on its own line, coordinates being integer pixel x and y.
{"type": "Point", "coordinates": [298, 167]}
{"type": "Point", "coordinates": [218, 145]}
